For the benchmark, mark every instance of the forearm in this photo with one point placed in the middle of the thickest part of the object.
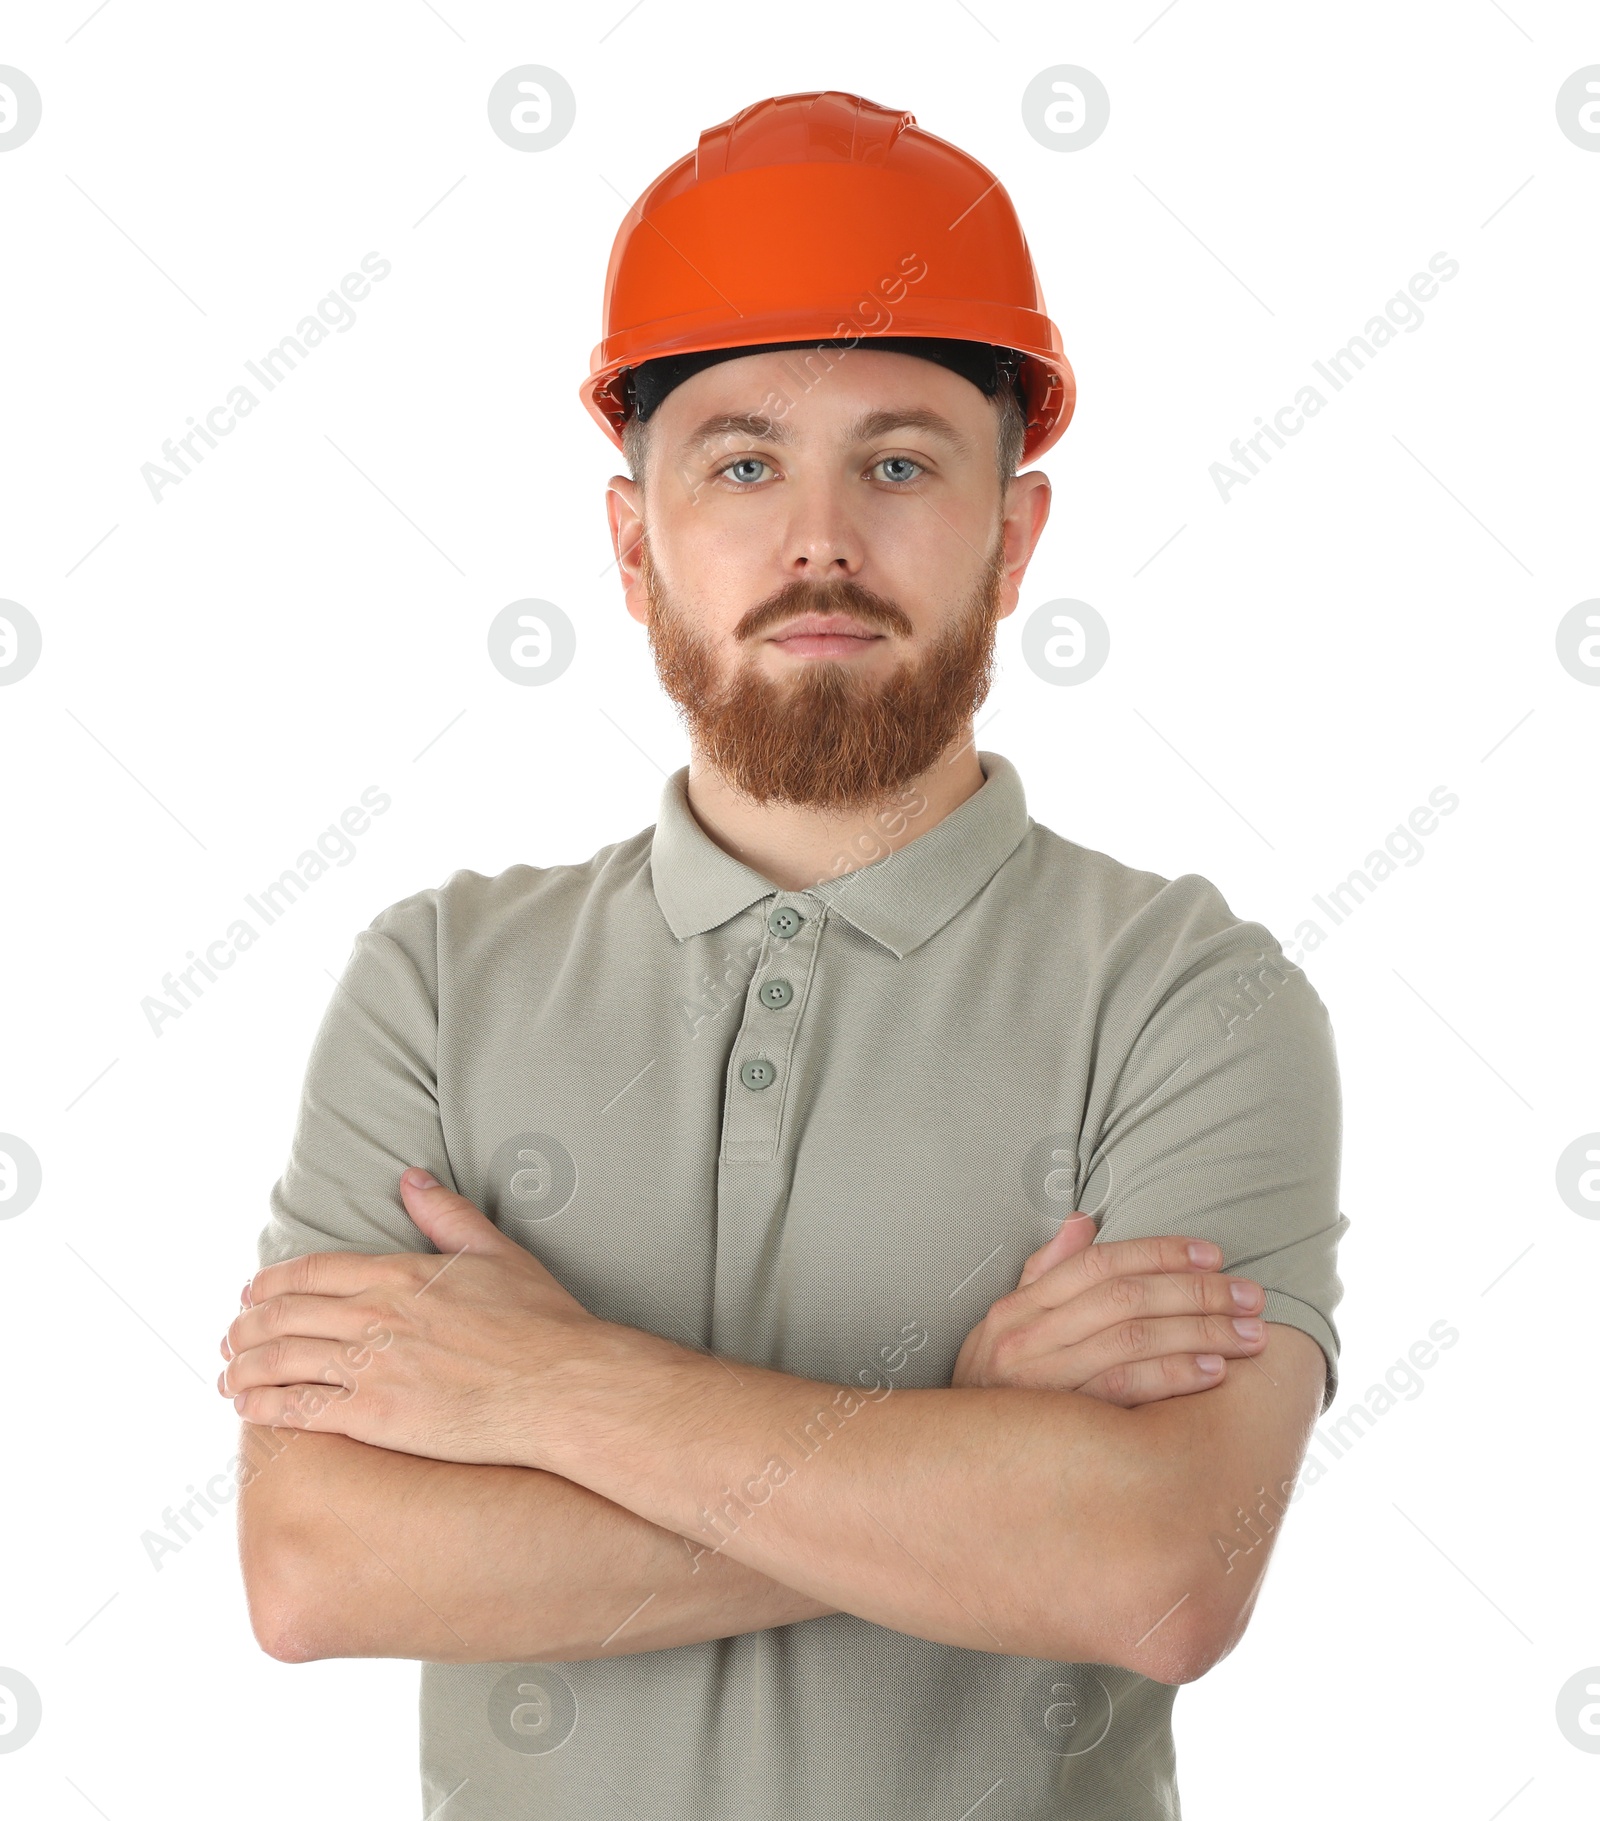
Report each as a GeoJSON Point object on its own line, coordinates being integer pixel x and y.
{"type": "Point", "coordinates": [1023, 1522]}
{"type": "Point", "coordinates": [357, 1551]}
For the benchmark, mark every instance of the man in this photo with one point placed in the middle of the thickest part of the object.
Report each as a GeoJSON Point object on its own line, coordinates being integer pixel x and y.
{"type": "Point", "coordinates": [736, 1356]}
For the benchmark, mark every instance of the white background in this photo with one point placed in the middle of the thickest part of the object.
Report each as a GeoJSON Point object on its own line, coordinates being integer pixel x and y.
{"type": "Point", "coordinates": [1371, 617]}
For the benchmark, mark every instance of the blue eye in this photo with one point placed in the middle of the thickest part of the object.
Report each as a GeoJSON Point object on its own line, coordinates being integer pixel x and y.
{"type": "Point", "coordinates": [731, 471]}
{"type": "Point", "coordinates": [744, 461]}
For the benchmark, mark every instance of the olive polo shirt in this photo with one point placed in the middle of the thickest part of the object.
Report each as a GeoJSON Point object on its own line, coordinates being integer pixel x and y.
{"type": "Point", "coordinates": [820, 1130]}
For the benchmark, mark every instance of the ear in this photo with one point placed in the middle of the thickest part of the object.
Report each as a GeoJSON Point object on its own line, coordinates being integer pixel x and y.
{"type": "Point", "coordinates": [625, 515]}
{"type": "Point", "coordinates": [1027, 506]}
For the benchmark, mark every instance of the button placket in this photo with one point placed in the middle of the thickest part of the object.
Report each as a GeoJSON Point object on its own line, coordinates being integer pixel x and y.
{"type": "Point", "coordinates": [758, 1078]}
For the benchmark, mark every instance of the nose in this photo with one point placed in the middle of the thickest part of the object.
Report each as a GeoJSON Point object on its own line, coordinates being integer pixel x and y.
{"type": "Point", "coordinates": [822, 543]}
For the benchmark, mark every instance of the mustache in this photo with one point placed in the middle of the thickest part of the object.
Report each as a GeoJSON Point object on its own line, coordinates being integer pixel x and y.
{"type": "Point", "coordinates": [839, 596]}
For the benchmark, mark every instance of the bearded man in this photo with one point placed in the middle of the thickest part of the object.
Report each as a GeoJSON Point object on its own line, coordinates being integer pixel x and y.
{"type": "Point", "coordinates": [807, 1373]}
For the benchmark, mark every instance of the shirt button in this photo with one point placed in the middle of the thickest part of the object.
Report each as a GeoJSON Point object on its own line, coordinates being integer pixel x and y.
{"type": "Point", "coordinates": [775, 994]}
{"type": "Point", "coordinates": [758, 1074]}
{"type": "Point", "coordinates": [785, 920]}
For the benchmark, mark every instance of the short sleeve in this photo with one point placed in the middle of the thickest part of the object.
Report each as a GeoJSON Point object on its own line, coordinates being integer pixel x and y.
{"type": "Point", "coordinates": [369, 1105]}
{"type": "Point", "coordinates": [1215, 1108]}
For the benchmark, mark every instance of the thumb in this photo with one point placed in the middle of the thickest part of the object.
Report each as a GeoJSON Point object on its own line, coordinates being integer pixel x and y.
{"type": "Point", "coordinates": [448, 1219]}
{"type": "Point", "coordinates": [1071, 1237]}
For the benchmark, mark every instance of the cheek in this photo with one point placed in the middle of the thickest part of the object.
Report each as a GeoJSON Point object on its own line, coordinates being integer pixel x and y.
{"type": "Point", "coordinates": [925, 566]}
{"type": "Point", "coordinates": [710, 588]}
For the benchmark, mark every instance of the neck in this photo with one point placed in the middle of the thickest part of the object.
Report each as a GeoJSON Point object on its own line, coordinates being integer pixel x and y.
{"type": "Point", "coordinates": [796, 847]}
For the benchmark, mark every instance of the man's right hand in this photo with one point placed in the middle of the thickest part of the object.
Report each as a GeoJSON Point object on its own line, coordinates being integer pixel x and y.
{"type": "Point", "coordinates": [1128, 1322]}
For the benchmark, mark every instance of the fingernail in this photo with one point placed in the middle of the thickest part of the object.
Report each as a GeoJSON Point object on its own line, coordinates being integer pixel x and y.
{"type": "Point", "coordinates": [420, 1179]}
{"type": "Point", "coordinates": [244, 1297]}
{"type": "Point", "coordinates": [1208, 1362]}
{"type": "Point", "coordinates": [1244, 1295]}
{"type": "Point", "coordinates": [1247, 1327]}
{"type": "Point", "coordinates": [1202, 1252]}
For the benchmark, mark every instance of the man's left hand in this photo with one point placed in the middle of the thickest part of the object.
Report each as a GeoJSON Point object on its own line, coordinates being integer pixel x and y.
{"type": "Point", "coordinates": [448, 1355]}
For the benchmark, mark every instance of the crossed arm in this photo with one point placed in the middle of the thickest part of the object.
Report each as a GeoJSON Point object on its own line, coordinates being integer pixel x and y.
{"type": "Point", "coordinates": [656, 1496]}
{"type": "Point", "coordinates": [356, 1551]}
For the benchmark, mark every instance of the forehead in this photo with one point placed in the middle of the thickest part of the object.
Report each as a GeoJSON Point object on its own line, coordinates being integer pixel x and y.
{"type": "Point", "coordinates": [801, 395]}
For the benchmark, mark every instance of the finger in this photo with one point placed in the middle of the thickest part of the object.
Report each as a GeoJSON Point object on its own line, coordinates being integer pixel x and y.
{"type": "Point", "coordinates": [1128, 1318]}
{"type": "Point", "coordinates": [1168, 1255]}
{"type": "Point", "coordinates": [317, 1407]}
{"type": "Point", "coordinates": [1152, 1381]}
{"type": "Point", "coordinates": [292, 1361]}
{"type": "Point", "coordinates": [315, 1317]}
{"type": "Point", "coordinates": [1119, 1299]}
{"type": "Point", "coordinates": [453, 1223]}
{"type": "Point", "coordinates": [1144, 1338]}
{"type": "Point", "coordinates": [1025, 1327]}
{"type": "Point", "coordinates": [323, 1274]}
{"type": "Point", "coordinates": [1074, 1233]}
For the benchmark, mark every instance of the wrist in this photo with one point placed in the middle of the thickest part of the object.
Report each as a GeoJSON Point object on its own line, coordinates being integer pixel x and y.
{"type": "Point", "coordinates": [575, 1408]}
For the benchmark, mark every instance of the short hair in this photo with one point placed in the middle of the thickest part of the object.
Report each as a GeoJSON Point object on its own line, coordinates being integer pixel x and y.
{"type": "Point", "coordinates": [1012, 434]}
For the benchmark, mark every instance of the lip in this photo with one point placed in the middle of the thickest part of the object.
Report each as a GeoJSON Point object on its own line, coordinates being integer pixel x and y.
{"type": "Point", "coordinates": [825, 635]}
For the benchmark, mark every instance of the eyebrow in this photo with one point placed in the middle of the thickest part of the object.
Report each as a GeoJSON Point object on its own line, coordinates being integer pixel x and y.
{"type": "Point", "coordinates": [866, 428]}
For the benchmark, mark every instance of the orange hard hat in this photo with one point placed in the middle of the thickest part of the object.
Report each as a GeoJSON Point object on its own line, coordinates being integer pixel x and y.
{"type": "Point", "coordinates": [823, 216]}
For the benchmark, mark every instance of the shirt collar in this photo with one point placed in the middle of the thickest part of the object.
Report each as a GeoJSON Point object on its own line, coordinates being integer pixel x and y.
{"type": "Point", "coordinates": [899, 901]}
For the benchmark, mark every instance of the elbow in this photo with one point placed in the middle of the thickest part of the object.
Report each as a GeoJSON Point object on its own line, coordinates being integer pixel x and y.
{"type": "Point", "coordinates": [1172, 1651]}
{"type": "Point", "coordinates": [1184, 1611]}
{"type": "Point", "coordinates": [297, 1576]}
{"type": "Point", "coordinates": [1176, 1662]}
{"type": "Point", "coordinates": [283, 1614]}
{"type": "Point", "coordinates": [1191, 1660]}
{"type": "Point", "coordinates": [1198, 1646]}
{"type": "Point", "coordinates": [283, 1644]}
{"type": "Point", "coordinates": [1183, 1657]}
{"type": "Point", "coordinates": [1173, 1634]}
{"type": "Point", "coordinates": [283, 1636]}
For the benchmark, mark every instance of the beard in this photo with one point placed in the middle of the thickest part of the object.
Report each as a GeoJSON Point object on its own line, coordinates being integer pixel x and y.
{"type": "Point", "coordinates": [826, 738]}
